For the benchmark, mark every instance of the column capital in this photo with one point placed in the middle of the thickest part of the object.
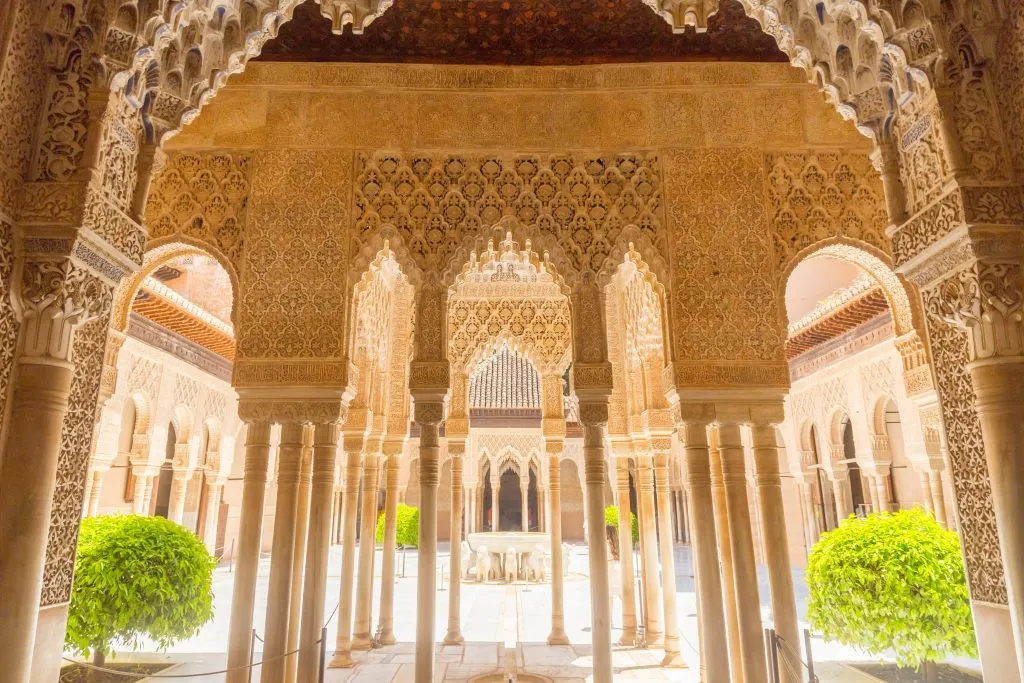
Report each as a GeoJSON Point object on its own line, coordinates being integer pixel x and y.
{"type": "Point", "coordinates": [428, 411]}
{"type": "Point", "coordinates": [253, 407]}
{"type": "Point", "coordinates": [594, 412]}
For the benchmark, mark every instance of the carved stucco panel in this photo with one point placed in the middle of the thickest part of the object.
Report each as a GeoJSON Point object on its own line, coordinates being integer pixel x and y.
{"type": "Point", "coordinates": [972, 489]}
{"type": "Point", "coordinates": [9, 324]}
{"type": "Point", "coordinates": [724, 289]}
{"type": "Point", "coordinates": [815, 196]}
{"type": "Point", "coordinates": [73, 460]}
{"type": "Point", "coordinates": [293, 296]}
{"type": "Point", "coordinates": [204, 197]}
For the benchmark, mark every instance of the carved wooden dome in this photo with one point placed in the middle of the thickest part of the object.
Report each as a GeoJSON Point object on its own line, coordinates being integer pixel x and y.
{"type": "Point", "coordinates": [522, 32]}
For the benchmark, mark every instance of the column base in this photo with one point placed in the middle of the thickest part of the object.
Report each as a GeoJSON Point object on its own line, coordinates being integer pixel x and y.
{"type": "Point", "coordinates": [628, 638]}
{"type": "Point", "coordinates": [387, 638]}
{"type": "Point", "coordinates": [673, 660]}
{"type": "Point", "coordinates": [654, 640]}
{"type": "Point", "coordinates": [341, 660]}
{"type": "Point", "coordinates": [361, 641]}
{"type": "Point", "coordinates": [558, 638]}
{"type": "Point", "coordinates": [454, 638]}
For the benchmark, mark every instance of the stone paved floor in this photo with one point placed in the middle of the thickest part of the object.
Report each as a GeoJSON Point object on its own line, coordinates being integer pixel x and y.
{"type": "Point", "coordinates": [505, 628]}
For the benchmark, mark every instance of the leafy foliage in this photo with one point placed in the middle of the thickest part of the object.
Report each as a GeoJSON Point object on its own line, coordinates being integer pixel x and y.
{"type": "Point", "coordinates": [611, 518]}
{"type": "Point", "coordinates": [407, 526]}
{"type": "Point", "coordinates": [138, 577]}
{"type": "Point", "coordinates": [892, 581]}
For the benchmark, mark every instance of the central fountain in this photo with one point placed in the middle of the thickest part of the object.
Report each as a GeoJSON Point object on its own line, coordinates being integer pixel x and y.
{"type": "Point", "coordinates": [507, 556]}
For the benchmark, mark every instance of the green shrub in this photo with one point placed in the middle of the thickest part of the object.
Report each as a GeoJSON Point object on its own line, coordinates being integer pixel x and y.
{"type": "Point", "coordinates": [892, 581]}
{"type": "Point", "coordinates": [407, 526]}
{"type": "Point", "coordinates": [134, 577]}
{"type": "Point", "coordinates": [611, 518]}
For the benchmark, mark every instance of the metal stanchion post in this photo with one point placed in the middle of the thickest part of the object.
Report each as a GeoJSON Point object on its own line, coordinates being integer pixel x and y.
{"type": "Point", "coordinates": [323, 653]}
{"type": "Point", "coordinates": [772, 644]}
{"type": "Point", "coordinates": [810, 657]}
{"type": "Point", "coordinates": [252, 652]}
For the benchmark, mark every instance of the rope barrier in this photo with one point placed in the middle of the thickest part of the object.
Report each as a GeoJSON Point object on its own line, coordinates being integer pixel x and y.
{"type": "Point", "coordinates": [140, 676]}
{"type": "Point", "coordinates": [789, 653]}
{"type": "Point", "coordinates": [196, 675]}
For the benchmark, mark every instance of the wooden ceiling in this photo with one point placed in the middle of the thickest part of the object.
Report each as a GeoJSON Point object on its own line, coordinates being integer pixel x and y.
{"type": "Point", "coordinates": [522, 32]}
{"type": "Point", "coordinates": [848, 317]}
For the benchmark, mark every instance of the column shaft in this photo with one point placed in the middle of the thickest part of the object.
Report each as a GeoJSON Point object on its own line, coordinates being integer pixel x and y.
{"type": "Point", "coordinates": [387, 580]}
{"type": "Point", "coordinates": [626, 552]}
{"type": "Point", "coordinates": [367, 547]}
{"type": "Point", "coordinates": [938, 496]}
{"type": "Point", "coordinates": [495, 507]}
{"type": "Point", "coordinates": [279, 593]}
{"type": "Point", "coordinates": [27, 482]}
{"type": "Point", "coordinates": [247, 552]}
{"type": "Point", "coordinates": [557, 635]}
{"type": "Point", "coordinates": [998, 400]}
{"type": "Point", "coordinates": [319, 530]}
{"type": "Point", "coordinates": [343, 645]}
{"type": "Point", "coordinates": [291, 663]}
{"type": "Point", "coordinates": [176, 503]}
{"type": "Point", "coordinates": [600, 600]}
{"type": "Point", "coordinates": [839, 491]}
{"type": "Point", "coordinates": [732, 618]}
{"type": "Point", "coordinates": [715, 661]}
{"type": "Point", "coordinates": [668, 564]}
{"type": "Point", "coordinates": [525, 505]}
{"type": "Point", "coordinates": [649, 547]}
{"type": "Point", "coordinates": [776, 545]}
{"type": "Point", "coordinates": [426, 580]}
{"type": "Point", "coordinates": [213, 499]}
{"type": "Point", "coordinates": [748, 605]}
{"type": "Point", "coordinates": [454, 635]}
{"type": "Point", "coordinates": [94, 493]}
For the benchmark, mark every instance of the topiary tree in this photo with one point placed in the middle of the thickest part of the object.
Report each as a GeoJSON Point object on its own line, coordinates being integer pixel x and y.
{"type": "Point", "coordinates": [611, 519]}
{"type": "Point", "coordinates": [407, 526]}
{"type": "Point", "coordinates": [137, 576]}
{"type": "Point", "coordinates": [892, 582]}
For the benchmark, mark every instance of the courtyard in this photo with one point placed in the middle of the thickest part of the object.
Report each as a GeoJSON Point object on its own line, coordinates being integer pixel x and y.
{"type": "Point", "coordinates": [507, 626]}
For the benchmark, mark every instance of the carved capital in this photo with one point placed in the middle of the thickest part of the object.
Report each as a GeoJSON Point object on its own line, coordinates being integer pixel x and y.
{"type": "Point", "coordinates": [429, 413]}
{"type": "Point", "coordinates": [291, 411]}
{"type": "Point", "coordinates": [594, 413]}
{"type": "Point", "coordinates": [985, 299]}
{"type": "Point", "coordinates": [57, 297]}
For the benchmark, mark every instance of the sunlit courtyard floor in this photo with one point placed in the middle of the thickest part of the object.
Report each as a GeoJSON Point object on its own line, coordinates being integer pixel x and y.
{"type": "Point", "coordinates": [505, 628]}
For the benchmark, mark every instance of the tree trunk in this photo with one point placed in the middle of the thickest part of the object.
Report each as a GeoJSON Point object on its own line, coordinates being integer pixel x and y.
{"type": "Point", "coordinates": [98, 658]}
{"type": "Point", "coordinates": [928, 672]}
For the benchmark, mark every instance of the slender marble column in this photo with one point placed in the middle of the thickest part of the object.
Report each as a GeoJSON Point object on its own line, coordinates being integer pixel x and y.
{"type": "Point", "coordinates": [525, 505]}
{"type": "Point", "coordinates": [997, 387]}
{"type": "Point", "coordinates": [367, 547]}
{"type": "Point", "coordinates": [839, 491]}
{"type": "Point", "coordinates": [291, 663]}
{"type": "Point", "coordinates": [247, 553]}
{"type": "Point", "coordinates": [454, 636]}
{"type": "Point", "coordinates": [143, 490]}
{"type": "Point", "coordinates": [213, 500]}
{"type": "Point", "coordinates": [881, 486]}
{"type": "Point", "coordinates": [715, 661]}
{"type": "Point", "coordinates": [318, 543]}
{"type": "Point", "coordinates": [95, 488]}
{"type": "Point", "coordinates": [926, 492]}
{"type": "Point", "coordinates": [176, 503]}
{"type": "Point", "coordinates": [289, 462]}
{"type": "Point", "coordinates": [557, 635]}
{"type": "Point", "coordinates": [27, 476]}
{"type": "Point", "coordinates": [626, 552]}
{"type": "Point", "coordinates": [594, 417]}
{"type": "Point", "coordinates": [668, 565]}
{"type": "Point", "coordinates": [343, 645]}
{"type": "Point", "coordinates": [748, 605]}
{"type": "Point", "coordinates": [732, 618]}
{"type": "Point", "coordinates": [387, 579]}
{"type": "Point", "coordinates": [938, 496]}
{"type": "Point", "coordinates": [495, 507]}
{"type": "Point", "coordinates": [776, 545]}
{"type": "Point", "coordinates": [649, 546]}
{"type": "Point", "coordinates": [429, 416]}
